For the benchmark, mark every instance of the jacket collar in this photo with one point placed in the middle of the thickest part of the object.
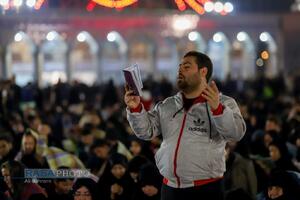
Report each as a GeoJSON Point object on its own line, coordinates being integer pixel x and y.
{"type": "Point", "coordinates": [179, 99]}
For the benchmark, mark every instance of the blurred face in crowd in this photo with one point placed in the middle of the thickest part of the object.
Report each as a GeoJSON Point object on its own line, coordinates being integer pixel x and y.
{"type": "Point", "coordinates": [135, 148]}
{"type": "Point", "coordinates": [28, 144]}
{"type": "Point", "coordinates": [95, 120]}
{"type": "Point", "coordinates": [5, 147]}
{"type": "Point", "coordinates": [87, 139]}
{"type": "Point", "coordinates": [274, 192]}
{"type": "Point", "coordinates": [272, 126]}
{"type": "Point", "coordinates": [267, 139]}
{"type": "Point", "coordinates": [274, 153]}
{"type": "Point", "coordinates": [82, 194]}
{"type": "Point", "coordinates": [63, 187]}
{"type": "Point", "coordinates": [18, 127]}
{"type": "Point", "coordinates": [35, 124]}
{"type": "Point", "coordinates": [134, 176]}
{"type": "Point", "coordinates": [102, 151]}
{"type": "Point", "coordinates": [189, 76]}
{"type": "Point", "coordinates": [118, 171]}
{"type": "Point", "coordinates": [6, 176]}
{"type": "Point", "coordinates": [298, 142]}
{"type": "Point", "coordinates": [150, 190]}
{"type": "Point", "coordinates": [44, 129]}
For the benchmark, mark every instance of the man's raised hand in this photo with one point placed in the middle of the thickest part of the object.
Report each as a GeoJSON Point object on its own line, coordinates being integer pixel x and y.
{"type": "Point", "coordinates": [130, 100]}
{"type": "Point", "coordinates": [211, 94]}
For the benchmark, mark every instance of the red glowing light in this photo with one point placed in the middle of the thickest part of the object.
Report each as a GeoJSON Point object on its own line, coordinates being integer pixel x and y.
{"type": "Point", "coordinates": [91, 5]}
{"type": "Point", "coordinates": [180, 4]}
{"type": "Point", "coordinates": [115, 3]}
{"type": "Point", "coordinates": [196, 5]}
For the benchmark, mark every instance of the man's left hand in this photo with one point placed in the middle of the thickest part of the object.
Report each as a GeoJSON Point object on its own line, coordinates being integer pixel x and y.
{"type": "Point", "coordinates": [211, 94]}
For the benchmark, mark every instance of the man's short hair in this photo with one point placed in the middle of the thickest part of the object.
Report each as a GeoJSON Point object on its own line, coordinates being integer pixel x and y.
{"type": "Point", "coordinates": [6, 138]}
{"type": "Point", "coordinates": [202, 60]}
{"type": "Point", "coordinates": [275, 119]}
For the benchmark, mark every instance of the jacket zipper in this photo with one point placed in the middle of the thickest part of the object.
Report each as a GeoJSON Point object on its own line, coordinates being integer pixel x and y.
{"type": "Point", "coordinates": [177, 148]}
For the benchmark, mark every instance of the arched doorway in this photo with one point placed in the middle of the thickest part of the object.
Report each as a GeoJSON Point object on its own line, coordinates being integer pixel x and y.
{"type": "Point", "coordinates": [167, 59]}
{"type": "Point", "coordinates": [83, 59]}
{"type": "Point", "coordinates": [267, 55]}
{"type": "Point", "coordinates": [53, 56]}
{"type": "Point", "coordinates": [113, 58]}
{"type": "Point", "coordinates": [191, 42]}
{"type": "Point", "coordinates": [242, 58]}
{"type": "Point", "coordinates": [141, 51]}
{"type": "Point", "coordinates": [20, 59]}
{"type": "Point", "coordinates": [218, 51]}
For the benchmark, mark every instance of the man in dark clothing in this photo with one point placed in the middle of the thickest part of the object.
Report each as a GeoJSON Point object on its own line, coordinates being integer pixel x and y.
{"type": "Point", "coordinates": [61, 190]}
{"type": "Point", "coordinates": [17, 188]}
{"type": "Point", "coordinates": [86, 140]}
{"type": "Point", "coordinates": [149, 183]}
{"type": "Point", "coordinates": [6, 152]}
{"type": "Point", "coordinates": [240, 173]}
{"type": "Point", "coordinates": [28, 155]}
{"type": "Point", "coordinates": [98, 162]}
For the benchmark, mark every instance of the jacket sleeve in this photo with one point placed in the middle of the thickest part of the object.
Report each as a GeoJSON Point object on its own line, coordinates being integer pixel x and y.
{"type": "Point", "coordinates": [145, 125]}
{"type": "Point", "coordinates": [230, 124]}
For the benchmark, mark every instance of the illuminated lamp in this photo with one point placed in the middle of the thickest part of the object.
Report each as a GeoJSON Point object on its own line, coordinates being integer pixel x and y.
{"type": "Point", "coordinates": [203, 1]}
{"type": "Point", "coordinates": [264, 55]}
{"type": "Point", "coordinates": [38, 4]}
{"type": "Point", "coordinates": [196, 6]}
{"type": "Point", "coordinates": [180, 4]}
{"type": "Point", "coordinates": [115, 3]}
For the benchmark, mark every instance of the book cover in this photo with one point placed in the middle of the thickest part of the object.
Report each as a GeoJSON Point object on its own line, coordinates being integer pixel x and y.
{"type": "Point", "coordinates": [133, 79]}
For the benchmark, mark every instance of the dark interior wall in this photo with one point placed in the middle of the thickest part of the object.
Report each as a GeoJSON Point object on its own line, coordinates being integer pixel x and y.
{"type": "Point", "coordinates": [291, 33]}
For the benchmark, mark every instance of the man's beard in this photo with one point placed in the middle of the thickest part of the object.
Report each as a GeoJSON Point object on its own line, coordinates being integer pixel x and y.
{"type": "Point", "coordinates": [28, 152]}
{"type": "Point", "coordinates": [182, 84]}
{"type": "Point", "coordinates": [185, 86]}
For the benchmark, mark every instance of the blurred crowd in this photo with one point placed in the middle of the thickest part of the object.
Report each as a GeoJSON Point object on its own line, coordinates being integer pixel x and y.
{"type": "Point", "coordinates": [72, 125]}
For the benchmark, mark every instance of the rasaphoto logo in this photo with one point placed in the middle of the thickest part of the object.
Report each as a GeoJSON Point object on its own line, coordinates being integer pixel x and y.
{"type": "Point", "coordinates": [54, 174]}
{"type": "Point", "coordinates": [198, 126]}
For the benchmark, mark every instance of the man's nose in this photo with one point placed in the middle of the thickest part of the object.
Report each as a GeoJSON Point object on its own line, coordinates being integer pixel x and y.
{"type": "Point", "coordinates": [179, 72]}
{"type": "Point", "coordinates": [179, 69]}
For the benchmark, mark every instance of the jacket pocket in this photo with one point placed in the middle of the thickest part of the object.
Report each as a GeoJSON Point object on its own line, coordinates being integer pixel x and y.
{"type": "Point", "coordinates": [162, 160]}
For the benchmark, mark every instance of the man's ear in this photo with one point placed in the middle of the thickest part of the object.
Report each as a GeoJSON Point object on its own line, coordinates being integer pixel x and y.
{"type": "Point", "coordinates": [203, 71]}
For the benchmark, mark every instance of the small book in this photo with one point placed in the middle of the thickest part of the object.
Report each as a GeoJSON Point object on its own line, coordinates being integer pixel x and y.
{"type": "Point", "coordinates": [133, 79]}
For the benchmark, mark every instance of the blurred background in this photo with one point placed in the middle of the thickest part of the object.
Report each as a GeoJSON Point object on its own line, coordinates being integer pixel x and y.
{"type": "Point", "coordinates": [90, 41]}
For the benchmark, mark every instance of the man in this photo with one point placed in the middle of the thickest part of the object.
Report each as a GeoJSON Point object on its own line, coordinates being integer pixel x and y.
{"type": "Point", "coordinates": [17, 188]}
{"type": "Point", "coordinates": [28, 154]}
{"type": "Point", "coordinates": [35, 153]}
{"type": "Point", "coordinates": [6, 154]}
{"type": "Point", "coordinates": [98, 161]}
{"type": "Point", "coordinates": [195, 125]}
{"type": "Point", "coordinates": [62, 188]}
{"type": "Point", "coordinates": [240, 173]}
{"type": "Point", "coordinates": [6, 149]}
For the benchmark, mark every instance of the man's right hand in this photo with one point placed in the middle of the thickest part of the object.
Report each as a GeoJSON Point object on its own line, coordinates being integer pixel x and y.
{"type": "Point", "coordinates": [130, 100]}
